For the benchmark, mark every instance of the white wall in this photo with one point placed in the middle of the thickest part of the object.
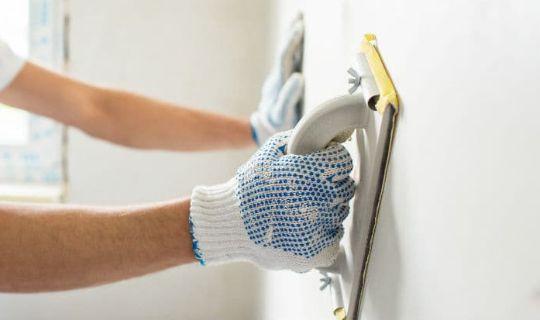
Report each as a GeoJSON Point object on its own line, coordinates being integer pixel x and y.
{"type": "Point", "coordinates": [211, 54]}
{"type": "Point", "coordinates": [458, 232]}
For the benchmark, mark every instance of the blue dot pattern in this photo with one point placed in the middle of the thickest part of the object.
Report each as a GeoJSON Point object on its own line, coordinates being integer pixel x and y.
{"type": "Point", "coordinates": [295, 203]}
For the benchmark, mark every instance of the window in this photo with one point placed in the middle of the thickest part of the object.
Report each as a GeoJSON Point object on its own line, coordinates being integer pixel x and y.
{"type": "Point", "coordinates": [32, 147]}
{"type": "Point", "coordinates": [14, 29]}
{"type": "Point", "coordinates": [14, 130]}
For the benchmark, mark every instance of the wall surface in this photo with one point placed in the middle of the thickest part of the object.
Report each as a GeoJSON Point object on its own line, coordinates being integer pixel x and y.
{"type": "Point", "coordinates": [458, 231]}
{"type": "Point", "coordinates": [210, 54]}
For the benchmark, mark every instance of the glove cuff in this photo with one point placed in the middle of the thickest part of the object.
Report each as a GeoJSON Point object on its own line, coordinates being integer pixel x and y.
{"type": "Point", "coordinates": [219, 234]}
{"type": "Point", "coordinates": [260, 129]}
{"type": "Point", "coordinates": [217, 228]}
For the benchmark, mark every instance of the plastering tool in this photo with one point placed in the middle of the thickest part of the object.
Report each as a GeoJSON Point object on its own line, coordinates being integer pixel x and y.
{"type": "Point", "coordinates": [336, 120]}
{"type": "Point", "coordinates": [299, 60]}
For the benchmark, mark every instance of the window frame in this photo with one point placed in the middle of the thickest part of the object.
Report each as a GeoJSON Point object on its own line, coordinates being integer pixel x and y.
{"type": "Point", "coordinates": [47, 35]}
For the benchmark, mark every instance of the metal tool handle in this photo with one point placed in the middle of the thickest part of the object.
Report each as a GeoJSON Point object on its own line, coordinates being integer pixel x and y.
{"type": "Point", "coordinates": [332, 120]}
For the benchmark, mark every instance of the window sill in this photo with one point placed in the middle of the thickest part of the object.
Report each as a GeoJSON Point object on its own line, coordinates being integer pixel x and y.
{"type": "Point", "coordinates": [32, 193]}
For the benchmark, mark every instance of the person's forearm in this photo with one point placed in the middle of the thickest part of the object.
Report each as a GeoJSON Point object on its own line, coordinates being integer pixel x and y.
{"type": "Point", "coordinates": [123, 118]}
{"type": "Point", "coordinates": [140, 122]}
{"type": "Point", "coordinates": [48, 248]}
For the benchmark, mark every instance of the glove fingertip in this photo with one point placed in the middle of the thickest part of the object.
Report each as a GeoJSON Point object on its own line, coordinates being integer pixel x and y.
{"type": "Point", "coordinates": [292, 45]}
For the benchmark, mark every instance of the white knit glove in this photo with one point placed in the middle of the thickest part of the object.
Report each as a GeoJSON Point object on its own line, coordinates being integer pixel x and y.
{"type": "Point", "coordinates": [283, 90]}
{"type": "Point", "coordinates": [279, 211]}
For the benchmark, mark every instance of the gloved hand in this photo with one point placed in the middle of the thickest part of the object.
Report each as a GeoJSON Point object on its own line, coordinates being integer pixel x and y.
{"type": "Point", "coordinates": [283, 90]}
{"type": "Point", "coordinates": [280, 211]}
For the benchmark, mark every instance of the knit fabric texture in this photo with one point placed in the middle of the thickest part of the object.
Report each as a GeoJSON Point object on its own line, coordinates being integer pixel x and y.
{"type": "Point", "coordinates": [281, 211]}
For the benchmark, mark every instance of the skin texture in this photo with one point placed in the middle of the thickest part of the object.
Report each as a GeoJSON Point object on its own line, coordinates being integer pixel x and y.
{"type": "Point", "coordinates": [123, 118]}
{"type": "Point", "coordinates": [50, 248]}
{"type": "Point", "coordinates": [58, 247]}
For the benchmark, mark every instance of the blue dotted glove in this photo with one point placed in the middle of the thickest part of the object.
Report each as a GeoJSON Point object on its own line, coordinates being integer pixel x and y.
{"type": "Point", "coordinates": [281, 211]}
{"type": "Point", "coordinates": [283, 90]}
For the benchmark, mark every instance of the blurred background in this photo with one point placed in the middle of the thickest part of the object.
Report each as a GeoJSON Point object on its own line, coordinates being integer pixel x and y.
{"type": "Point", "coordinates": [458, 235]}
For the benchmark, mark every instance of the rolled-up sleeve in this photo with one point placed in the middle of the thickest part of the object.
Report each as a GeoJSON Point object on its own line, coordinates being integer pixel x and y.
{"type": "Point", "coordinates": [10, 65]}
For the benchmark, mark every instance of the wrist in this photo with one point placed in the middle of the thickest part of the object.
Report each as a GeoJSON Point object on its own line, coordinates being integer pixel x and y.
{"type": "Point", "coordinates": [217, 229]}
{"type": "Point", "coordinates": [261, 130]}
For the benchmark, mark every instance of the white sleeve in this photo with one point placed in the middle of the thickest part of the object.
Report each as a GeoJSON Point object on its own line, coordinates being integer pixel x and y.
{"type": "Point", "coordinates": [10, 65]}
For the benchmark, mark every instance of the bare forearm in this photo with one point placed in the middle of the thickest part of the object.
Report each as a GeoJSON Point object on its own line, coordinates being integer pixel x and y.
{"type": "Point", "coordinates": [47, 248]}
{"type": "Point", "coordinates": [121, 117]}
{"type": "Point", "coordinates": [140, 122]}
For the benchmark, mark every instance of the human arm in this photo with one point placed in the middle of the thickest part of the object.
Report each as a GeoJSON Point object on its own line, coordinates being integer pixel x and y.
{"type": "Point", "coordinates": [58, 247]}
{"type": "Point", "coordinates": [121, 117]}
{"type": "Point", "coordinates": [280, 211]}
{"type": "Point", "coordinates": [141, 122]}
